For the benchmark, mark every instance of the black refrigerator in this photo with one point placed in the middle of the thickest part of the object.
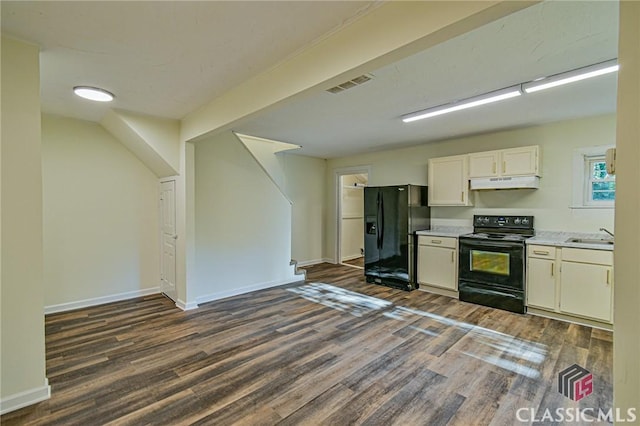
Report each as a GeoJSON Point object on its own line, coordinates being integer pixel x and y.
{"type": "Point", "coordinates": [393, 214]}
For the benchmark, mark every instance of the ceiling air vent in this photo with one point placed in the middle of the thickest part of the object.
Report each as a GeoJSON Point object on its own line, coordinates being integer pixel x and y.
{"type": "Point", "coordinates": [351, 83]}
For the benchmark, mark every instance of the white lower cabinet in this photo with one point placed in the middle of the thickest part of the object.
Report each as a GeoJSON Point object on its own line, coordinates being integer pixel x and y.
{"type": "Point", "coordinates": [571, 281]}
{"type": "Point", "coordinates": [542, 284]}
{"type": "Point", "coordinates": [587, 288]}
{"type": "Point", "coordinates": [438, 262]}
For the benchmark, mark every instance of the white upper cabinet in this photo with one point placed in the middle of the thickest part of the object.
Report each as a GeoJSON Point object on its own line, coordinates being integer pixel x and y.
{"type": "Point", "coordinates": [484, 164]}
{"type": "Point", "coordinates": [449, 181]}
{"type": "Point", "coordinates": [523, 161]}
{"type": "Point", "coordinates": [520, 161]}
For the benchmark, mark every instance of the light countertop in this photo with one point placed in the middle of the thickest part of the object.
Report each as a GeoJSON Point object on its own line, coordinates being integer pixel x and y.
{"type": "Point", "coordinates": [446, 231]}
{"type": "Point", "coordinates": [559, 239]}
{"type": "Point", "coordinates": [543, 238]}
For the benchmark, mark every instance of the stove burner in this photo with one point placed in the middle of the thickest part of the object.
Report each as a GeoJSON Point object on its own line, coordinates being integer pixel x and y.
{"type": "Point", "coordinates": [494, 236]}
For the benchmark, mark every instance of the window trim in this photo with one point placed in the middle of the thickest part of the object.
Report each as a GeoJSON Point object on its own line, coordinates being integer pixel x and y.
{"type": "Point", "coordinates": [580, 181]}
{"type": "Point", "coordinates": [588, 180]}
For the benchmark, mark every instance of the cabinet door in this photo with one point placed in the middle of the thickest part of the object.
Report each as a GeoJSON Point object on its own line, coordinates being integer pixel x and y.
{"type": "Point", "coordinates": [483, 164]}
{"type": "Point", "coordinates": [520, 161]}
{"type": "Point", "coordinates": [437, 266]}
{"type": "Point", "coordinates": [586, 290]}
{"type": "Point", "coordinates": [541, 283]}
{"type": "Point", "coordinates": [449, 181]}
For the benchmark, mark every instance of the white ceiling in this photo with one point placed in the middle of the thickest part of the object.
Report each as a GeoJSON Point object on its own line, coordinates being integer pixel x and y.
{"type": "Point", "coordinates": [542, 40]}
{"type": "Point", "coordinates": [164, 58]}
{"type": "Point", "coordinates": [168, 58]}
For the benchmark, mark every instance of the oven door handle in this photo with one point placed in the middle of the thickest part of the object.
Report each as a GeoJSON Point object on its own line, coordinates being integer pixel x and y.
{"type": "Point", "coordinates": [480, 244]}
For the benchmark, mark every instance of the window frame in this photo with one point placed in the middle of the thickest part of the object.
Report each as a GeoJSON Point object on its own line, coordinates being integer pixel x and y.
{"type": "Point", "coordinates": [588, 200]}
{"type": "Point", "coordinates": [582, 194]}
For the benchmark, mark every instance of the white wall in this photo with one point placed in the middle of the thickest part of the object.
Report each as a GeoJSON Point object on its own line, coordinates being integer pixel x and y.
{"type": "Point", "coordinates": [626, 344]}
{"type": "Point", "coordinates": [305, 186]}
{"type": "Point", "coordinates": [101, 229]}
{"type": "Point", "coordinates": [162, 134]}
{"type": "Point", "coordinates": [22, 364]}
{"type": "Point", "coordinates": [149, 139]}
{"type": "Point", "coordinates": [549, 204]}
{"type": "Point", "coordinates": [242, 222]}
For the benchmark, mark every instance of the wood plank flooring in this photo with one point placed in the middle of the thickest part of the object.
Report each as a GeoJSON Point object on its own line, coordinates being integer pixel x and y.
{"type": "Point", "coordinates": [334, 350]}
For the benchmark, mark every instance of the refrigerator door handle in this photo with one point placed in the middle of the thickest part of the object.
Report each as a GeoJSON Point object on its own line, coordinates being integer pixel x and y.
{"type": "Point", "coordinates": [381, 228]}
{"type": "Point", "coordinates": [378, 203]}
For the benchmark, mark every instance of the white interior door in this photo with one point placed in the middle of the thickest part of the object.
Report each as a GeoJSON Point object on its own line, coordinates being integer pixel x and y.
{"type": "Point", "coordinates": [168, 238]}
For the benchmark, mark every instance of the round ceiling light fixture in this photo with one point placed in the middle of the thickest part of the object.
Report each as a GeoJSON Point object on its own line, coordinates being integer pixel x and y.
{"type": "Point", "coordinates": [93, 93]}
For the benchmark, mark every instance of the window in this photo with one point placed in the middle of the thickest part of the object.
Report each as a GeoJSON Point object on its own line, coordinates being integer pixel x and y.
{"type": "Point", "coordinates": [593, 187]}
{"type": "Point", "coordinates": [600, 186]}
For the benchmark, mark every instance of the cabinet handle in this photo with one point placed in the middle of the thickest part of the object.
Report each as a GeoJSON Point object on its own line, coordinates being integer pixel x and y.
{"type": "Point", "coordinates": [540, 252]}
{"type": "Point", "coordinates": [552, 269]}
{"type": "Point", "coordinates": [436, 241]}
{"type": "Point", "coordinates": [504, 167]}
{"type": "Point", "coordinates": [462, 196]}
{"type": "Point", "coordinates": [452, 258]}
{"type": "Point", "coordinates": [608, 276]}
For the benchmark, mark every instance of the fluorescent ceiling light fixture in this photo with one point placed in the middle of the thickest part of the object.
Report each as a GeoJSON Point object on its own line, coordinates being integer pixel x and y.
{"type": "Point", "coordinates": [571, 76]}
{"type": "Point", "coordinates": [93, 93]}
{"type": "Point", "coordinates": [487, 98]}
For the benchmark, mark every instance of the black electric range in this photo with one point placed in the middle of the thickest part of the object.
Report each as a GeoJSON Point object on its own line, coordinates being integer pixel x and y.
{"type": "Point", "coordinates": [492, 262]}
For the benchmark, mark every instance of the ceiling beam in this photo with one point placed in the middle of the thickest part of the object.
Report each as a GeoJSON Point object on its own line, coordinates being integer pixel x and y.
{"type": "Point", "coordinates": [388, 33]}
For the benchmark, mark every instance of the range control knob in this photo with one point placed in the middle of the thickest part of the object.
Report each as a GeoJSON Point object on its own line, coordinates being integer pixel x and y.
{"type": "Point", "coordinates": [516, 221]}
{"type": "Point", "coordinates": [485, 220]}
{"type": "Point", "coordinates": [525, 221]}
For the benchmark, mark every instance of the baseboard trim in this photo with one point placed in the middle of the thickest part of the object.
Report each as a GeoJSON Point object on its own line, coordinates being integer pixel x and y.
{"type": "Point", "coordinates": [568, 318]}
{"type": "Point", "coordinates": [26, 398]}
{"type": "Point", "coordinates": [70, 306]}
{"type": "Point", "coordinates": [348, 258]}
{"type": "Point", "coordinates": [310, 262]}
{"type": "Point", "coordinates": [437, 290]}
{"type": "Point", "coordinates": [186, 306]}
{"type": "Point", "coordinates": [242, 290]}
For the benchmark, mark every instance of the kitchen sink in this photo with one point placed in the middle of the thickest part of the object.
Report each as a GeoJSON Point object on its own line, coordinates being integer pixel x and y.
{"type": "Point", "coordinates": [604, 241]}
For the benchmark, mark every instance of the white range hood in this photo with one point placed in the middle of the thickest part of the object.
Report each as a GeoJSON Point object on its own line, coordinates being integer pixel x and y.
{"type": "Point", "coordinates": [516, 182]}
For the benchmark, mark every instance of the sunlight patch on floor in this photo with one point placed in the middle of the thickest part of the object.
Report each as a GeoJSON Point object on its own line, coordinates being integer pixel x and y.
{"type": "Point", "coordinates": [500, 349]}
{"type": "Point", "coordinates": [338, 298]}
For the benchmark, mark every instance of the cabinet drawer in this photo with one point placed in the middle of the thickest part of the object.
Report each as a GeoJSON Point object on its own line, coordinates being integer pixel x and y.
{"type": "Point", "coordinates": [541, 252]}
{"type": "Point", "coordinates": [427, 240]}
{"type": "Point", "coordinates": [598, 257]}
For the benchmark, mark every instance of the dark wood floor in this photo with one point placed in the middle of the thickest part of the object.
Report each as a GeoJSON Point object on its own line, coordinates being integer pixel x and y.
{"type": "Point", "coordinates": [333, 350]}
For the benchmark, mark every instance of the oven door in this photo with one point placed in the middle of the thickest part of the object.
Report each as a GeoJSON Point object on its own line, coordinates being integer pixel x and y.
{"type": "Point", "coordinates": [498, 264]}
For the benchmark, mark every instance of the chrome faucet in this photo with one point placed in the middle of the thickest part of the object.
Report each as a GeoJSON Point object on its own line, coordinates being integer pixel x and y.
{"type": "Point", "coordinates": [607, 231]}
